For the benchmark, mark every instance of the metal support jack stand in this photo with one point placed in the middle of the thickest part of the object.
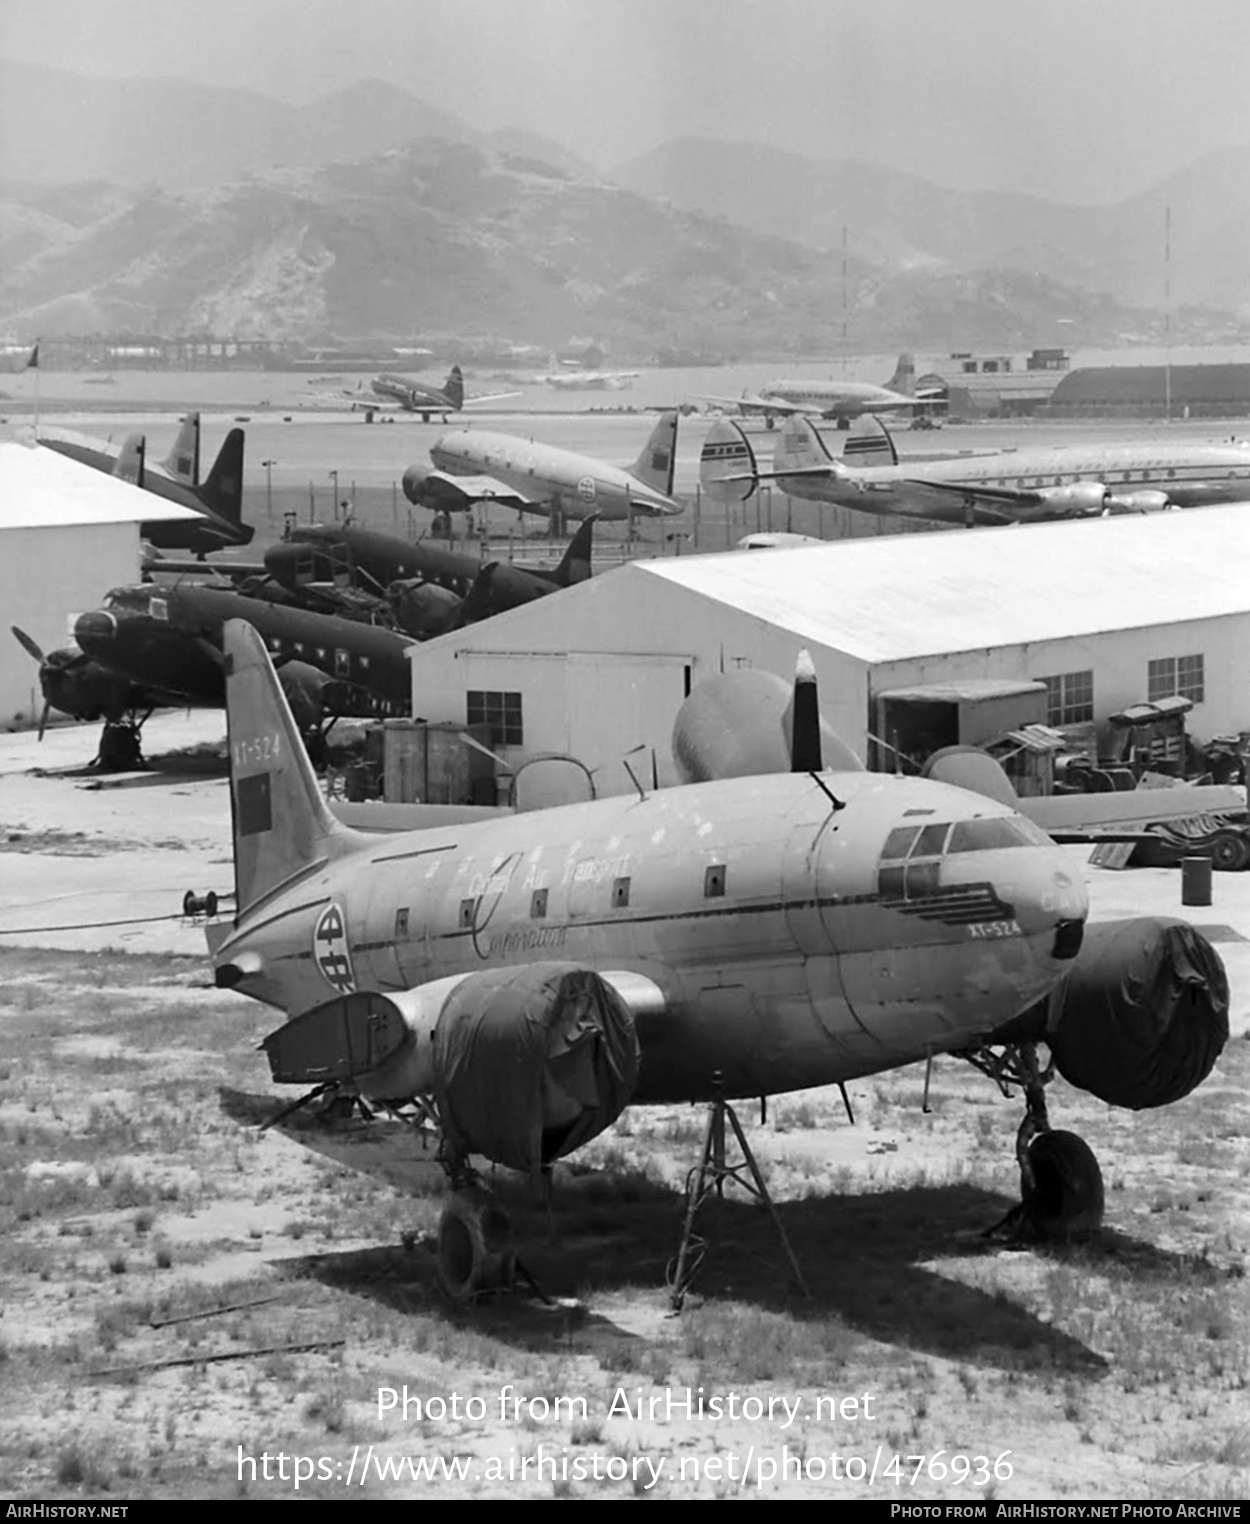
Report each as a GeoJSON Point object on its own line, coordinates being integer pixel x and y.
{"type": "Point", "coordinates": [709, 1177]}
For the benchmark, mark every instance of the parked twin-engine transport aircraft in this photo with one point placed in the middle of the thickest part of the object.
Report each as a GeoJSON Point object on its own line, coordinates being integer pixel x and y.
{"type": "Point", "coordinates": [535, 974]}
{"type": "Point", "coordinates": [473, 466]}
{"type": "Point", "coordinates": [840, 400]}
{"type": "Point", "coordinates": [414, 396]}
{"type": "Point", "coordinates": [218, 499]}
{"type": "Point", "coordinates": [1010, 487]}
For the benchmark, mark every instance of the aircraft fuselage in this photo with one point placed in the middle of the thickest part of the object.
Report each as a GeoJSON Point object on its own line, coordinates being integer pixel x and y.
{"type": "Point", "coordinates": [1187, 476]}
{"type": "Point", "coordinates": [760, 932]}
{"type": "Point", "coordinates": [574, 485]}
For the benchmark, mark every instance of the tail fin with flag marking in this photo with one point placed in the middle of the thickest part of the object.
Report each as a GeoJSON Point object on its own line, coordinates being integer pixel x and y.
{"type": "Point", "coordinates": [659, 456]}
{"type": "Point", "coordinates": [183, 461]}
{"type": "Point", "coordinates": [282, 827]}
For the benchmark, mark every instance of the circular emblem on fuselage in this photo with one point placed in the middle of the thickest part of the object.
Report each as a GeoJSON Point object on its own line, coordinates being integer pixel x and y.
{"type": "Point", "coordinates": [330, 950]}
{"type": "Point", "coordinates": [586, 489]}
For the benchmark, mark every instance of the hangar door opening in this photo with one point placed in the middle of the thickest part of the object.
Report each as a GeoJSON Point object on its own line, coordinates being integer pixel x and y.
{"type": "Point", "coordinates": [621, 708]}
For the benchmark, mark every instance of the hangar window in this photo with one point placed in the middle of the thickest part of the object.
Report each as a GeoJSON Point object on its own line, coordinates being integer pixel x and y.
{"type": "Point", "coordinates": [1069, 698]}
{"type": "Point", "coordinates": [1183, 675]}
{"type": "Point", "coordinates": [501, 711]}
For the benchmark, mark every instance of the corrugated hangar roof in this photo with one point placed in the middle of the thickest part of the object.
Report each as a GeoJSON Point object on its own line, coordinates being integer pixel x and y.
{"type": "Point", "coordinates": [1150, 383]}
{"type": "Point", "coordinates": [896, 597]}
{"type": "Point", "coordinates": [40, 489]}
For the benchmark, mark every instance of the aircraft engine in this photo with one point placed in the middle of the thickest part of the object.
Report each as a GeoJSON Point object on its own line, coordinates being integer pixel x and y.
{"type": "Point", "coordinates": [429, 488]}
{"type": "Point", "coordinates": [741, 724]}
{"type": "Point", "coordinates": [1141, 1015]}
{"type": "Point", "coordinates": [526, 1062]}
{"type": "Point", "coordinates": [1078, 498]}
{"type": "Point", "coordinates": [1146, 500]}
{"type": "Point", "coordinates": [422, 609]}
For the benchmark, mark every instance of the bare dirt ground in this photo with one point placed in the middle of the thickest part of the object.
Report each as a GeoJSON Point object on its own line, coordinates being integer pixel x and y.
{"type": "Point", "coordinates": [136, 1189]}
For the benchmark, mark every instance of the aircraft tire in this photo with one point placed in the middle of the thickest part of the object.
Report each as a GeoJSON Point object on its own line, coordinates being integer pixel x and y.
{"type": "Point", "coordinates": [476, 1252]}
{"type": "Point", "coordinates": [1230, 852]}
{"type": "Point", "coordinates": [1064, 1198]}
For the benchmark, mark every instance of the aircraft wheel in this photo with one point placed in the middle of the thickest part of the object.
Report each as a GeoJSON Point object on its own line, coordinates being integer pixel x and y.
{"type": "Point", "coordinates": [1064, 1196]}
{"type": "Point", "coordinates": [476, 1252]}
{"type": "Point", "coordinates": [1230, 852]}
{"type": "Point", "coordinates": [119, 748]}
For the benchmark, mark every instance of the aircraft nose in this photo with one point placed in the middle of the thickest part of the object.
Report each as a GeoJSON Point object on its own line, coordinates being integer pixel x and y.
{"type": "Point", "coordinates": [95, 630]}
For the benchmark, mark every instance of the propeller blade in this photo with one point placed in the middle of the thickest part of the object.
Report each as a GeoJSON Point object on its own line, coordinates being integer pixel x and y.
{"type": "Point", "coordinates": [26, 643]}
{"type": "Point", "coordinates": [43, 718]}
{"type": "Point", "coordinates": [805, 748]}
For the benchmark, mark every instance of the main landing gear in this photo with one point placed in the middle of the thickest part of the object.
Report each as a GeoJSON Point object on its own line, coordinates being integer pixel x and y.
{"type": "Point", "coordinates": [1061, 1187]}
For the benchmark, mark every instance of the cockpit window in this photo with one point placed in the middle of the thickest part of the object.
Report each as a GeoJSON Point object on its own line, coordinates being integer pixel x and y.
{"type": "Point", "coordinates": [932, 840]}
{"type": "Point", "coordinates": [898, 842]}
{"type": "Point", "coordinates": [995, 833]}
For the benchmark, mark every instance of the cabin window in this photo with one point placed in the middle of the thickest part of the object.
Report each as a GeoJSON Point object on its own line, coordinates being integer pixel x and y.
{"type": "Point", "coordinates": [501, 712]}
{"type": "Point", "coordinates": [342, 663]}
{"type": "Point", "coordinates": [1171, 675]}
{"type": "Point", "coordinates": [401, 923]}
{"type": "Point", "coordinates": [1069, 698]}
{"type": "Point", "coordinates": [620, 893]}
{"type": "Point", "coordinates": [468, 914]}
{"type": "Point", "coordinates": [538, 905]}
{"type": "Point", "coordinates": [714, 882]}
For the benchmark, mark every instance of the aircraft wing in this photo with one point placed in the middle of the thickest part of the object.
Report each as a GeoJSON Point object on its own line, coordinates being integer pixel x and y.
{"type": "Point", "coordinates": [483, 489]}
{"type": "Point", "coordinates": [753, 403]}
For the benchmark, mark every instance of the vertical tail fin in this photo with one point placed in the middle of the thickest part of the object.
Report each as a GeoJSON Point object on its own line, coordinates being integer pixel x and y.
{"type": "Point", "coordinates": [869, 443]}
{"type": "Point", "coordinates": [130, 462]}
{"type": "Point", "coordinates": [183, 461]}
{"type": "Point", "coordinates": [222, 488]}
{"type": "Point", "coordinates": [281, 824]}
{"type": "Point", "coordinates": [658, 459]}
{"type": "Point", "coordinates": [575, 563]}
{"type": "Point", "coordinates": [454, 387]}
{"type": "Point", "coordinates": [727, 467]}
{"type": "Point", "coordinates": [903, 380]}
{"type": "Point", "coordinates": [799, 447]}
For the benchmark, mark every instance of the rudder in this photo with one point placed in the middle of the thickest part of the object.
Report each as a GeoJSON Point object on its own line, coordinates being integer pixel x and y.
{"type": "Point", "coordinates": [728, 471]}
{"type": "Point", "coordinates": [454, 387]}
{"type": "Point", "coordinates": [869, 443]}
{"type": "Point", "coordinates": [280, 822]}
{"type": "Point", "coordinates": [658, 458]}
{"type": "Point", "coordinates": [222, 488]}
{"type": "Point", "coordinates": [575, 563]}
{"type": "Point", "coordinates": [183, 461]}
{"type": "Point", "coordinates": [799, 447]}
{"type": "Point", "coordinates": [130, 463]}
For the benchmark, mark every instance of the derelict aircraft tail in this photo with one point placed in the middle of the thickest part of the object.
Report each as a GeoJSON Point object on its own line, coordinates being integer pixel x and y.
{"type": "Point", "coordinates": [222, 488]}
{"type": "Point", "coordinates": [453, 388]}
{"type": "Point", "coordinates": [281, 824]}
{"type": "Point", "coordinates": [656, 463]}
{"type": "Point", "coordinates": [183, 461]}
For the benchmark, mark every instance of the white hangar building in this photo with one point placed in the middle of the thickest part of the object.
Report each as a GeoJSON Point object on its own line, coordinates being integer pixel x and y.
{"type": "Point", "coordinates": [67, 535]}
{"type": "Point", "coordinates": [1107, 613]}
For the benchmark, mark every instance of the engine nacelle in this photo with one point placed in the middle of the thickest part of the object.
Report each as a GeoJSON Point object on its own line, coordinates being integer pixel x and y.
{"type": "Point", "coordinates": [1079, 499]}
{"type": "Point", "coordinates": [1145, 500]}
{"type": "Point", "coordinates": [740, 725]}
{"type": "Point", "coordinates": [430, 488]}
{"type": "Point", "coordinates": [422, 609]}
{"type": "Point", "coordinates": [526, 1062]}
{"type": "Point", "coordinates": [1141, 1015]}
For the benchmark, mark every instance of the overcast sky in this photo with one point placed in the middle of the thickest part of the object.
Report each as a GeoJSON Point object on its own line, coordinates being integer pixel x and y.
{"type": "Point", "coordinates": [1083, 100]}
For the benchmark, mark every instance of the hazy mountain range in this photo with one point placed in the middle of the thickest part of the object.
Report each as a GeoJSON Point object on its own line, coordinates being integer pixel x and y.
{"type": "Point", "coordinates": [154, 206]}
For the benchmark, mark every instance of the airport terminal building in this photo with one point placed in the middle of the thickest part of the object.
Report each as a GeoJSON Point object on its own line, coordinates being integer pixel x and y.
{"type": "Point", "coordinates": [1105, 613]}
